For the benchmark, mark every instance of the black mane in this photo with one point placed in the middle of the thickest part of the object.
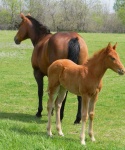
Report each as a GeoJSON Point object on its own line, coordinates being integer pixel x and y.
{"type": "Point", "coordinates": [39, 27]}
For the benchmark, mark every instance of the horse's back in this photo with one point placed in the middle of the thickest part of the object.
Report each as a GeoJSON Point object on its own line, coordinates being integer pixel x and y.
{"type": "Point", "coordinates": [55, 46]}
{"type": "Point", "coordinates": [58, 46]}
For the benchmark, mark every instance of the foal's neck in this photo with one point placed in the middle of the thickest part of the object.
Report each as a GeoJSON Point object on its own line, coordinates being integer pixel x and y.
{"type": "Point", "coordinates": [96, 65]}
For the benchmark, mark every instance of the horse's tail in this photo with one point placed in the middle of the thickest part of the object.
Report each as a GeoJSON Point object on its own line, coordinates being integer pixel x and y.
{"type": "Point", "coordinates": [73, 50]}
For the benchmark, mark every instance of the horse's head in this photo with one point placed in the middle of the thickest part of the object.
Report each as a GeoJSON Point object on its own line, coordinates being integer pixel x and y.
{"type": "Point", "coordinates": [112, 60]}
{"type": "Point", "coordinates": [30, 28]}
{"type": "Point", "coordinates": [23, 30]}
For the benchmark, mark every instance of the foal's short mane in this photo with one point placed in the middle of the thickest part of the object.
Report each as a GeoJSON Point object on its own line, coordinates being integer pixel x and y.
{"type": "Point", "coordinates": [96, 54]}
{"type": "Point", "coordinates": [39, 27]}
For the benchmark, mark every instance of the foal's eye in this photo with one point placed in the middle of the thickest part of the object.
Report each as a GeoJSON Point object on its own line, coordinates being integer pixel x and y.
{"type": "Point", "coordinates": [112, 58]}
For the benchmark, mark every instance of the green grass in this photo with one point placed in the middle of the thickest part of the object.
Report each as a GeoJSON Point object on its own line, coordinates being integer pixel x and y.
{"type": "Point", "coordinates": [21, 130]}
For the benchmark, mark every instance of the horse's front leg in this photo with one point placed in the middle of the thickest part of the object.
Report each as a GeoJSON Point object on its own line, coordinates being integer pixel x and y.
{"type": "Point", "coordinates": [84, 115]}
{"type": "Point", "coordinates": [78, 116]}
{"type": "Point", "coordinates": [39, 79]}
{"type": "Point", "coordinates": [91, 116]}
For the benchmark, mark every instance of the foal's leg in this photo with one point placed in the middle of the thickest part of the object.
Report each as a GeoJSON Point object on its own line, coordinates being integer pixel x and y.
{"type": "Point", "coordinates": [39, 79]}
{"type": "Point", "coordinates": [58, 103]}
{"type": "Point", "coordinates": [84, 115]}
{"type": "Point", "coordinates": [78, 116]}
{"type": "Point", "coordinates": [50, 102]}
{"type": "Point", "coordinates": [62, 107]}
{"type": "Point", "coordinates": [91, 116]}
{"type": "Point", "coordinates": [49, 109]}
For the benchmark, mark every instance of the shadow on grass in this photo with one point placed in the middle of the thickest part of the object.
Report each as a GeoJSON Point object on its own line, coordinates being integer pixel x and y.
{"type": "Point", "coordinates": [21, 117]}
{"type": "Point", "coordinates": [35, 131]}
{"type": "Point", "coordinates": [25, 130]}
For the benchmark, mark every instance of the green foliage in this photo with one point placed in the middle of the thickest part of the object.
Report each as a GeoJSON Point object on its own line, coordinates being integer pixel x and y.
{"type": "Point", "coordinates": [119, 4]}
{"type": "Point", "coordinates": [119, 7]}
{"type": "Point", "coordinates": [62, 15]}
{"type": "Point", "coordinates": [4, 18]}
{"type": "Point", "coordinates": [21, 130]}
{"type": "Point", "coordinates": [121, 14]}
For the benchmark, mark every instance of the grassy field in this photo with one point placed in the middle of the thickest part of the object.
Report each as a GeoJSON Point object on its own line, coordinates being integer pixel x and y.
{"type": "Point", "coordinates": [21, 130]}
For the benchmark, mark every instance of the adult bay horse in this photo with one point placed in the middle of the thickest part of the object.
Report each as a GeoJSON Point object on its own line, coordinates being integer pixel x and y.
{"type": "Point", "coordinates": [49, 47]}
{"type": "Point", "coordinates": [87, 82]}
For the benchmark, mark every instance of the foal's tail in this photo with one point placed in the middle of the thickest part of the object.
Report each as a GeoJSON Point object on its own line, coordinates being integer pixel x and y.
{"type": "Point", "coordinates": [73, 50]}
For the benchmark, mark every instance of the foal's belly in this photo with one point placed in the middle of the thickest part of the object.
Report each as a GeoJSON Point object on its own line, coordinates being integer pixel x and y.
{"type": "Point", "coordinates": [71, 88]}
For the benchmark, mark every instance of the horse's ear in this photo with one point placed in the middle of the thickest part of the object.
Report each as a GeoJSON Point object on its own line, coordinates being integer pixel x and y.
{"type": "Point", "coordinates": [22, 16]}
{"type": "Point", "coordinates": [29, 14]}
{"type": "Point", "coordinates": [114, 47]}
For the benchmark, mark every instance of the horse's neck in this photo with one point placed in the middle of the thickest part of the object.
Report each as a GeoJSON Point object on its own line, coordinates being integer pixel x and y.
{"type": "Point", "coordinates": [34, 38]}
{"type": "Point", "coordinates": [96, 67]}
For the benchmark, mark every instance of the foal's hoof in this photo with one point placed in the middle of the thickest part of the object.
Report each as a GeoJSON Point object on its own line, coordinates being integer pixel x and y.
{"type": "Point", "coordinates": [38, 115]}
{"type": "Point", "coordinates": [83, 142]}
{"type": "Point", "coordinates": [93, 139]}
{"type": "Point", "coordinates": [50, 134]}
{"type": "Point", "coordinates": [60, 134]}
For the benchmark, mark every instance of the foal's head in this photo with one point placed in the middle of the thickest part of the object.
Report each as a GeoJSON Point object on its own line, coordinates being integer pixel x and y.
{"type": "Point", "coordinates": [112, 60]}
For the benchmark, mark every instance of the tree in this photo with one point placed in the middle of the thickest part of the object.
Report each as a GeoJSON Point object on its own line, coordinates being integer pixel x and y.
{"type": "Point", "coordinates": [74, 15]}
{"type": "Point", "coordinates": [118, 4]}
{"type": "Point", "coordinates": [11, 8]}
{"type": "Point", "coordinates": [119, 7]}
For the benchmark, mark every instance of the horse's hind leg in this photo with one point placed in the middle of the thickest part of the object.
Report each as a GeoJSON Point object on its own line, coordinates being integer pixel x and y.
{"type": "Point", "coordinates": [78, 116]}
{"type": "Point", "coordinates": [58, 103]}
{"type": "Point", "coordinates": [39, 79]}
{"type": "Point", "coordinates": [62, 107]}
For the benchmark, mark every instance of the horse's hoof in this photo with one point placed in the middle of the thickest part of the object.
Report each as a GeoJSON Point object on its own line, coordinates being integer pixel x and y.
{"type": "Point", "coordinates": [77, 121]}
{"type": "Point", "coordinates": [38, 115]}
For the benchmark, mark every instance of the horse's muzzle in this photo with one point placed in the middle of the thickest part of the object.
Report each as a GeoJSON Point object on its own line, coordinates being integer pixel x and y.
{"type": "Point", "coordinates": [121, 71]}
{"type": "Point", "coordinates": [16, 40]}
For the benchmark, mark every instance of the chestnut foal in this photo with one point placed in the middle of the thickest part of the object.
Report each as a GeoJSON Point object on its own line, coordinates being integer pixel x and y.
{"type": "Point", "coordinates": [87, 82]}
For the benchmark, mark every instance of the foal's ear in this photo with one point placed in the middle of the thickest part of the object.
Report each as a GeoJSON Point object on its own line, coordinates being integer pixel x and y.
{"type": "Point", "coordinates": [22, 16]}
{"type": "Point", "coordinates": [109, 46]}
{"type": "Point", "coordinates": [114, 47]}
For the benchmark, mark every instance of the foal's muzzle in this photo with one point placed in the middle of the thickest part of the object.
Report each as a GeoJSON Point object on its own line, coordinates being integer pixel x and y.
{"type": "Point", "coordinates": [121, 71]}
{"type": "Point", "coordinates": [16, 40]}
